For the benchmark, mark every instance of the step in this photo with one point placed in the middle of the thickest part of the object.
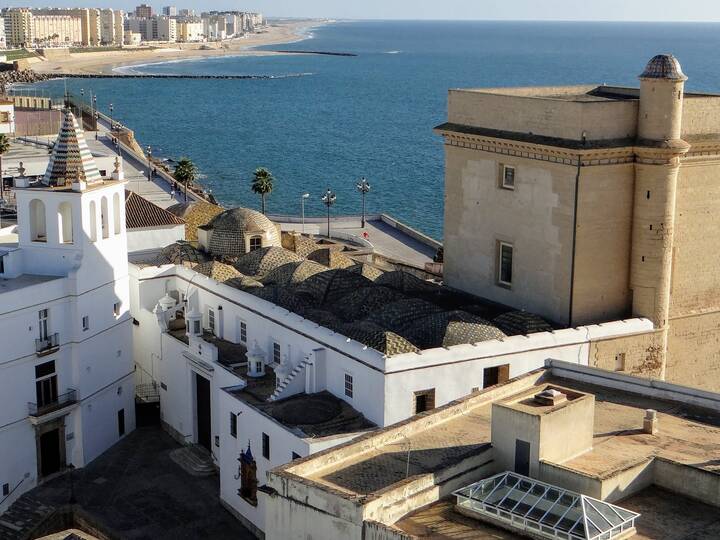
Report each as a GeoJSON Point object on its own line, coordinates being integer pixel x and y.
{"type": "Point", "coordinates": [194, 460]}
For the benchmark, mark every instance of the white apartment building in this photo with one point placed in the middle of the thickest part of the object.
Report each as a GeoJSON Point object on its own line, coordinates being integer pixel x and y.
{"type": "Point", "coordinates": [166, 29]}
{"type": "Point", "coordinates": [190, 30]}
{"type": "Point", "coordinates": [3, 39]}
{"type": "Point", "coordinates": [57, 30]}
{"type": "Point", "coordinates": [269, 374]}
{"type": "Point", "coordinates": [66, 370]}
{"type": "Point", "coordinates": [111, 27]}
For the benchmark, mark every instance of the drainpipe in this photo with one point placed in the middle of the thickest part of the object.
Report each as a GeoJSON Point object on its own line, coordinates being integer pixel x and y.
{"type": "Point", "coordinates": [574, 238]}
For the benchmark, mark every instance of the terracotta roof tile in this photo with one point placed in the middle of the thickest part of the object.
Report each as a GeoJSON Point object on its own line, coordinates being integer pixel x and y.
{"type": "Point", "coordinates": [141, 213]}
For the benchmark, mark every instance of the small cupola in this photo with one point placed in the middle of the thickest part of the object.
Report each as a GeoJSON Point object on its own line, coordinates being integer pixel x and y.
{"type": "Point", "coordinates": [193, 320]}
{"type": "Point", "coordinates": [256, 361]}
{"type": "Point", "coordinates": [550, 397]}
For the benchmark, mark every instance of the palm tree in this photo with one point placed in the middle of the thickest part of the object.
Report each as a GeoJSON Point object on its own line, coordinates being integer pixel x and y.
{"type": "Point", "coordinates": [262, 184]}
{"type": "Point", "coordinates": [185, 172]}
{"type": "Point", "coordinates": [4, 147]}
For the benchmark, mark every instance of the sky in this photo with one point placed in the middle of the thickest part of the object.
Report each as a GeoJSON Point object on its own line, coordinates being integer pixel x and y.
{"type": "Point", "coordinates": [620, 10]}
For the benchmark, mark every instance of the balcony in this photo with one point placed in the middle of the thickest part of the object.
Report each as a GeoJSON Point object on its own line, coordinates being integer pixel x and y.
{"type": "Point", "coordinates": [48, 345]}
{"type": "Point", "coordinates": [63, 400]}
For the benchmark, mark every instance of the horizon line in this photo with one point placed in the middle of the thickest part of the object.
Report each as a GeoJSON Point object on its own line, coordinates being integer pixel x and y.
{"type": "Point", "coordinates": [633, 21]}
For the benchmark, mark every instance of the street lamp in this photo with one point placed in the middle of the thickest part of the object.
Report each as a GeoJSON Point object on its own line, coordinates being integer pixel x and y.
{"type": "Point", "coordinates": [149, 156]}
{"type": "Point", "coordinates": [302, 204]}
{"type": "Point", "coordinates": [111, 118]}
{"type": "Point", "coordinates": [328, 200]}
{"type": "Point", "coordinates": [93, 109]}
{"type": "Point", "coordinates": [82, 105]}
{"type": "Point", "coordinates": [363, 186]}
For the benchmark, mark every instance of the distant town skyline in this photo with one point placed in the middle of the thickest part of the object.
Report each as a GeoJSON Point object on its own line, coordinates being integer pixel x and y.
{"type": "Point", "coordinates": [615, 10]}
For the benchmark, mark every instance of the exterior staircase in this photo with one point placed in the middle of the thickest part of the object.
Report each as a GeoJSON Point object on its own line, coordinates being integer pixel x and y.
{"type": "Point", "coordinates": [23, 517]}
{"type": "Point", "coordinates": [294, 374]}
{"type": "Point", "coordinates": [194, 460]}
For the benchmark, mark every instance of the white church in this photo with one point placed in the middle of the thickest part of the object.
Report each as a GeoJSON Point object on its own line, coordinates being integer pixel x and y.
{"type": "Point", "coordinates": [66, 366]}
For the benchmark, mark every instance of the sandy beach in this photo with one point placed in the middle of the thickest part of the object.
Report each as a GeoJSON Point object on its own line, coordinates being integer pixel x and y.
{"type": "Point", "coordinates": [106, 62]}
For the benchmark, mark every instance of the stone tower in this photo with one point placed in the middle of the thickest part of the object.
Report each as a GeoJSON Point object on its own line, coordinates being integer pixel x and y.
{"type": "Point", "coordinates": [658, 151]}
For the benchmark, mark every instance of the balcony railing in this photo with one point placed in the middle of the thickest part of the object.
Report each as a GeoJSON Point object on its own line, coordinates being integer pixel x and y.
{"type": "Point", "coordinates": [47, 345]}
{"type": "Point", "coordinates": [62, 401]}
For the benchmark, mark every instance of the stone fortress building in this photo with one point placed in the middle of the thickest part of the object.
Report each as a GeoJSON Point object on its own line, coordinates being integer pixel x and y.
{"type": "Point", "coordinates": [587, 204]}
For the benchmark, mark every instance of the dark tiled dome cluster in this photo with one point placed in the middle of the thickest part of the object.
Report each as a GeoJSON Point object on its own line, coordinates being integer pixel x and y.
{"type": "Point", "coordinates": [180, 253]}
{"type": "Point", "coordinates": [391, 312]}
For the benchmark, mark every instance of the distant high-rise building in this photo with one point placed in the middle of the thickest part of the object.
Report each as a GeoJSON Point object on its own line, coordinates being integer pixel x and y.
{"type": "Point", "coordinates": [144, 11]}
{"type": "Point", "coordinates": [3, 43]}
{"type": "Point", "coordinates": [170, 11]}
{"type": "Point", "coordinates": [166, 28]}
{"type": "Point", "coordinates": [111, 27]}
{"type": "Point", "coordinates": [20, 28]}
{"type": "Point", "coordinates": [186, 13]}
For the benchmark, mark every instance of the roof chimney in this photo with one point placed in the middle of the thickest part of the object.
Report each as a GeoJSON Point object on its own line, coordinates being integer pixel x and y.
{"type": "Point", "coordinates": [650, 422]}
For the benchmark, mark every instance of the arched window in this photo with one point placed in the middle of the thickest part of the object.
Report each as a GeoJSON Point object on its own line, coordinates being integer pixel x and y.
{"type": "Point", "coordinates": [104, 217]}
{"type": "Point", "coordinates": [255, 242]}
{"type": "Point", "coordinates": [65, 224]}
{"type": "Point", "coordinates": [93, 221]}
{"type": "Point", "coordinates": [38, 231]}
{"type": "Point", "coordinates": [116, 213]}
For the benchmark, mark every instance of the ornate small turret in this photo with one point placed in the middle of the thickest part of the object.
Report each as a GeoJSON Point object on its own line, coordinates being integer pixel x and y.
{"type": "Point", "coordinates": [662, 86]}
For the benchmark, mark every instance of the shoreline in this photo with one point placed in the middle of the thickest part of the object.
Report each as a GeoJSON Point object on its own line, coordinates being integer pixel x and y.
{"type": "Point", "coordinates": [107, 63]}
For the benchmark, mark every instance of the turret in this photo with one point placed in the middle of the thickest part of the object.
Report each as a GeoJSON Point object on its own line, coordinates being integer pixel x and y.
{"type": "Point", "coordinates": [661, 99]}
{"type": "Point", "coordinates": [657, 161]}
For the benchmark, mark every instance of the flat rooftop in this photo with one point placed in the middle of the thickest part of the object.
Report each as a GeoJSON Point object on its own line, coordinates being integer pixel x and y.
{"type": "Point", "coordinates": [23, 281]}
{"type": "Point", "coordinates": [663, 514]}
{"type": "Point", "coordinates": [687, 435]}
{"type": "Point", "coordinates": [308, 415]}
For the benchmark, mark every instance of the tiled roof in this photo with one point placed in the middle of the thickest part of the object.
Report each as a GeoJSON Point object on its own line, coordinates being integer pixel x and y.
{"type": "Point", "coordinates": [71, 159]}
{"type": "Point", "coordinates": [141, 213]}
{"type": "Point", "coordinates": [195, 214]}
{"type": "Point", "coordinates": [664, 66]}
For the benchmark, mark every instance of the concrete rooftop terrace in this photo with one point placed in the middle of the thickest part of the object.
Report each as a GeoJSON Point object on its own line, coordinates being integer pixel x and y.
{"type": "Point", "coordinates": [688, 435]}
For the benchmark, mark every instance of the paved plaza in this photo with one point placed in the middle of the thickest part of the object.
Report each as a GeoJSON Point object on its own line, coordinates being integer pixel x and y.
{"type": "Point", "coordinates": [134, 491]}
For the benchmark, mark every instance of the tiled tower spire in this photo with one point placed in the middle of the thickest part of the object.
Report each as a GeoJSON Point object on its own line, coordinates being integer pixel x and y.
{"type": "Point", "coordinates": [71, 160]}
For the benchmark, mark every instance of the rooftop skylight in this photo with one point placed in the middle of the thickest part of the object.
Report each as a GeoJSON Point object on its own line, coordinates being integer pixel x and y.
{"type": "Point", "coordinates": [543, 509]}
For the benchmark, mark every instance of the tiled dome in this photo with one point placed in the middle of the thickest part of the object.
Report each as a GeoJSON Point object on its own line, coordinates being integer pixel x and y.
{"type": "Point", "coordinates": [180, 252]}
{"type": "Point", "coordinates": [293, 273]}
{"type": "Point", "coordinates": [663, 66]}
{"type": "Point", "coordinates": [260, 262]}
{"type": "Point", "coordinates": [515, 323]}
{"type": "Point", "coordinates": [218, 271]}
{"type": "Point", "coordinates": [196, 214]}
{"type": "Point", "coordinates": [229, 231]}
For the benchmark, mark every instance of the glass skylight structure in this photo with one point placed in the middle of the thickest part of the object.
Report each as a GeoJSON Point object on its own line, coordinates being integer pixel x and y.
{"type": "Point", "coordinates": [544, 510]}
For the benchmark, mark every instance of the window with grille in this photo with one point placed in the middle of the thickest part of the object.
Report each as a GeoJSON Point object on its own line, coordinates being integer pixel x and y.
{"type": "Point", "coordinates": [276, 352]}
{"type": "Point", "coordinates": [505, 263]}
{"type": "Point", "coordinates": [255, 243]}
{"type": "Point", "coordinates": [348, 385]}
{"type": "Point", "coordinates": [243, 332]}
{"type": "Point", "coordinates": [211, 320]}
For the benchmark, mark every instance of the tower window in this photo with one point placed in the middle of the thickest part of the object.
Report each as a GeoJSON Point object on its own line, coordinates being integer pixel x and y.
{"type": "Point", "coordinates": [86, 323]}
{"type": "Point", "coordinates": [505, 263]}
{"type": "Point", "coordinates": [233, 425]}
{"type": "Point", "coordinates": [348, 385]}
{"type": "Point", "coordinates": [243, 332]}
{"type": "Point", "coordinates": [508, 177]}
{"type": "Point", "coordinates": [211, 320]}
{"type": "Point", "coordinates": [266, 446]}
{"type": "Point", "coordinates": [276, 353]}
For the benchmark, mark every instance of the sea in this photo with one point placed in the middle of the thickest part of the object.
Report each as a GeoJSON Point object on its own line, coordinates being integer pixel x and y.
{"type": "Point", "coordinates": [326, 121]}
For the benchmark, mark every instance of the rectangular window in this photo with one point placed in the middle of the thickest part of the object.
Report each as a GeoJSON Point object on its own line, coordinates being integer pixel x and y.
{"type": "Point", "coordinates": [116, 308]}
{"type": "Point", "coordinates": [2, 263]}
{"type": "Point", "coordinates": [211, 320]}
{"type": "Point", "coordinates": [505, 263]}
{"type": "Point", "coordinates": [495, 375]}
{"type": "Point", "coordinates": [233, 425]}
{"type": "Point", "coordinates": [295, 456]}
{"type": "Point", "coordinates": [266, 446]}
{"type": "Point", "coordinates": [121, 422]}
{"type": "Point", "coordinates": [276, 353]}
{"type": "Point", "coordinates": [86, 323]}
{"type": "Point", "coordinates": [6, 490]}
{"type": "Point", "coordinates": [348, 385]}
{"type": "Point", "coordinates": [620, 362]}
{"type": "Point", "coordinates": [46, 392]}
{"type": "Point", "coordinates": [424, 400]}
{"type": "Point", "coordinates": [43, 323]}
{"type": "Point", "coordinates": [243, 332]}
{"type": "Point", "coordinates": [508, 177]}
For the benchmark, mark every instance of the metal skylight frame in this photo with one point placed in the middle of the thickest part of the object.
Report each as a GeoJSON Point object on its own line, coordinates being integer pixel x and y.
{"type": "Point", "coordinates": [596, 519]}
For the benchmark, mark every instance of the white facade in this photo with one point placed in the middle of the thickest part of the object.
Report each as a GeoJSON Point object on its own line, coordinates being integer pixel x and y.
{"type": "Point", "coordinates": [3, 39]}
{"type": "Point", "coordinates": [111, 27]}
{"type": "Point", "coordinates": [314, 359]}
{"type": "Point", "coordinates": [166, 29]}
{"type": "Point", "coordinates": [66, 370]}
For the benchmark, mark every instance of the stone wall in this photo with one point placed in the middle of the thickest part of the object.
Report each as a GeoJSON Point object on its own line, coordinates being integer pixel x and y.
{"type": "Point", "coordinates": [642, 354]}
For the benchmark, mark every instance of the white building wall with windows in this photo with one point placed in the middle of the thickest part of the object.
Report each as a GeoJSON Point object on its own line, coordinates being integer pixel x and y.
{"type": "Point", "coordinates": [66, 389]}
{"type": "Point", "coordinates": [383, 388]}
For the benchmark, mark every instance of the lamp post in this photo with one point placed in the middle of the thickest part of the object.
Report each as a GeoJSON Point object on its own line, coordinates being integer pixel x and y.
{"type": "Point", "coordinates": [111, 118]}
{"type": "Point", "coordinates": [82, 105]}
{"type": "Point", "coordinates": [93, 109]}
{"type": "Point", "coordinates": [149, 156]}
{"type": "Point", "coordinates": [302, 204]}
{"type": "Point", "coordinates": [363, 186]}
{"type": "Point", "coordinates": [328, 200]}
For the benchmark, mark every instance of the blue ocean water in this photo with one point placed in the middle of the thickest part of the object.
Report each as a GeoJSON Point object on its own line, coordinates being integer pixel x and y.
{"type": "Point", "coordinates": [339, 118]}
